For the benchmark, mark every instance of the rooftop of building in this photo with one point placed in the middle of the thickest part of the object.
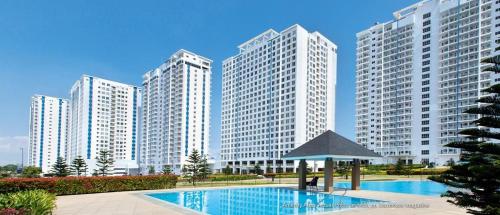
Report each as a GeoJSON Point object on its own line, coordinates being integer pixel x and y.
{"type": "Point", "coordinates": [54, 97]}
{"type": "Point", "coordinates": [270, 34]}
{"type": "Point", "coordinates": [399, 14]}
{"type": "Point", "coordinates": [107, 80]}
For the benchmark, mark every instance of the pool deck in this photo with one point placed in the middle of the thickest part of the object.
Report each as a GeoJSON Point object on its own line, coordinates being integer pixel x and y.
{"type": "Point", "coordinates": [135, 202]}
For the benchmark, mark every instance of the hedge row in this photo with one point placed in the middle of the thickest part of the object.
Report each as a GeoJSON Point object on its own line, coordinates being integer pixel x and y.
{"type": "Point", "coordinates": [83, 185]}
{"type": "Point", "coordinates": [418, 172]}
{"type": "Point", "coordinates": [232, 177]}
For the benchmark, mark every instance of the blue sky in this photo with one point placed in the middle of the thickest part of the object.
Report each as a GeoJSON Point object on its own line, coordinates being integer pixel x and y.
{"type": "Point", "coordinates": [45, 47]}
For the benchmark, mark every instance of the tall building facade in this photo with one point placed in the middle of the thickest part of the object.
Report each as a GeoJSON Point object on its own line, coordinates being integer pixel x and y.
{"type": "Point", "coordinates": [277, 93]}
{"type": "Point", "coordinates": [176, 111]}
{"type": "Point", "coordinates": [48, 131]}
{"type": "Point", "coordinates": [416, 74]}
{"type": "Point", "coordinates": [105, 116]}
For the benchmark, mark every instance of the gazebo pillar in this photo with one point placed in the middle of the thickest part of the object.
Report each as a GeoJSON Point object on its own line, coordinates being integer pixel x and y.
{"type": "Point", "coordinates": [356, 175]}
{"type": "Point", "coordinates": [328, 172]}
{"type": "Point", "coordinates": [302, 174]}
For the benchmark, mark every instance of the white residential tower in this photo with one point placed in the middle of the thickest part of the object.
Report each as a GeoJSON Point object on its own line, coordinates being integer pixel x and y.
{"type": "Point", "coordinates": [48, 131]}
{"type": "Point", "coordinates": [416, 75]}
{"type": "Point", "coordinates": [278, 92]}
{"type": "Point", "coordinates": [176, 111]}
{"type": "Point", "coordinates": [105, 116]}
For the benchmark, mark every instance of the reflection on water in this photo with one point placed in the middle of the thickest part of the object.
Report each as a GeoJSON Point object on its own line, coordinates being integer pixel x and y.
{"type": "Point", "coordinates": [427, 188]}
{"type": "Point", "coordinates": [262, 201]}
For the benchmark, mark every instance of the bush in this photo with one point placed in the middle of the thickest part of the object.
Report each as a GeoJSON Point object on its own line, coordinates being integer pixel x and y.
{"type": "Point", "coordinates": [418, 172]}
{"type": "Point", "coordinates": [34, 202]}
{"type": "Point", "coordinates": [232, 177]}
{"type": "Point", "coordinates": [83, 185]}
{"type": "Point", "coordinates": [31, 172]}
{"type": "Point", "coordinates": [269, 175]}
{"type": "Point", "coordinates": [13, 211]}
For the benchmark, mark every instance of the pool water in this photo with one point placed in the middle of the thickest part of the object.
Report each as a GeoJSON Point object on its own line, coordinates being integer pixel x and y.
{"type": "Point", "coordinates": [260, 200]}
{"type": "Point", "coordinates": [426, 188]}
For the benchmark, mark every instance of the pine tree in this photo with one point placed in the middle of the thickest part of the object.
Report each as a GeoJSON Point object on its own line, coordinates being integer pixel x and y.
{"type": "Point", "coordinates": [166, 170]}
{"type": "Point", "coordinates": [257, 169]}
{"type": "Point", "coordinates": [227, 170]}
{"type": "Point", "coordinates": [78, 166]}
{"type": "Point", "coordinates": [477, 175]}
{"type": "Point", "coordinates": [400, 166]}
{"type": "Point", "coordinates": [269, 169]}
{"type": "Point", "coordinates": [151, 170]}
{"type": "Point", "coordinates": [104, 163]}
{"type": "Point", "coordinates": [60, 168]}
{"type": "Point", "coordinates": [193, 166]}
{"type": "Point", "coordinates": [204, 168]}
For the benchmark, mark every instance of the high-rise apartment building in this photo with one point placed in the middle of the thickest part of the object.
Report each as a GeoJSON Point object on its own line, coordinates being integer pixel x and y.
{"type": "Point", "coordinates": [277, 93]}
{"type": "Point", "coordinates": [176, 111]}
{"type": "Point", "coordinates": [105, 116]}
{"type": "Point", "coordinates": [416, 75]}
{"type": "Point", "coordinates": [48, 131]}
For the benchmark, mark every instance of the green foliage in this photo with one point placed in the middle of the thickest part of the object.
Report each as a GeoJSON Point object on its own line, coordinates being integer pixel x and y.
{"type": "Point", "coordinates": [257, 169]}
{"type": "Point", "coordinates": [60, 168]}
{"type": "Point", "coordinates": [104, 163]}
{"type": "Point", "coordinates": [232, 177]}
{"type": "Point", "coordinates": [270, 175]}
{"type": "Point", "coordinates": [450, 162]}
{"type": "Point", "coordinates": [196, 167]}
{"type": "Point", "coordinates": [8, 168]}
{"type": "Point", "coordinates": [477, 175]}
{"type": "Point", "coordinates": [78, 166]}
{"type": "Point", "coordinates": [84, 185]}
{"type": "Point", "coordinates": [432, 165]}
{"type": "Point", "coordinates": [430, 171]}
{"type": "Point", "coordinates": [227, 170]}
{"type": "Point", "coordinates": [34, 202]}
{"type": "Point", "coordinates": [151, 170]}
{"type": "Point", "coordinates": [31, 172]}
{"type": "Point", "coordinates": [400, 165]}
{"type": "Point", "coordinates": [204, 168]}
{"type": "Point", "coordinates": [343, 169]}
{"type": "Point", "coordinates": [166, 170]}
{"type": "Point", "coordinates": [269, 169]}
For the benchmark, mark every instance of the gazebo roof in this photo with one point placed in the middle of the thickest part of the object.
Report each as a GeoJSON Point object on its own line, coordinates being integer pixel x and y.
{"type": "Point", "coordinates": [330, 145]}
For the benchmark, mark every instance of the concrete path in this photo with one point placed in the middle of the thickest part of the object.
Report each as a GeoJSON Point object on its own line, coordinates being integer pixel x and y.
{"type": "Point", "coordinates": [132, 203]}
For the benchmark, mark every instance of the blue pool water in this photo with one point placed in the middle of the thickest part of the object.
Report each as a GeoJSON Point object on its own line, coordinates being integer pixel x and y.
{"type": "Point", "coordinates": [427, 188]}
{"type": "Point", "coordinates": [260, 200]}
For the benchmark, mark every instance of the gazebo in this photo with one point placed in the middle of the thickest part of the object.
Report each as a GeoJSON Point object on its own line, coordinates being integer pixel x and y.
{"type": "Point", "coordinates": [330, 146]}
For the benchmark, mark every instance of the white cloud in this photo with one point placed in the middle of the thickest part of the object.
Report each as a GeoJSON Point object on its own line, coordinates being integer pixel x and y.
{"type": "Point", "coordinates": [10, 149]}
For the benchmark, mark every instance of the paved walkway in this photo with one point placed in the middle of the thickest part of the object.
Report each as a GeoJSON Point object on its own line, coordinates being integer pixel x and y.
{"type": "Point", "coordinates": [132, 203]}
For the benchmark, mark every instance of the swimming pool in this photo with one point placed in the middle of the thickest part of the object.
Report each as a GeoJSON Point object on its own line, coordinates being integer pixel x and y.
{"type": "Point", "coordinates": [425, 187]}
{"type": "Point", "coordinates": [260, 200]}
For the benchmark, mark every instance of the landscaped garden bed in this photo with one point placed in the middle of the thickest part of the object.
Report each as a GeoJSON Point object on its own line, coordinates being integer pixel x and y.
{"type": "Point", "coordinates": [84, 185]}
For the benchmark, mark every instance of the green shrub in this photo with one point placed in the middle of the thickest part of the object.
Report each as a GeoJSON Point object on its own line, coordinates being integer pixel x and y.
{"type": "Point", "coordinates": [418, 172]}
{"type": "Point", "coordinates": [232, 177]}
{"type": "Point", "coordinates": [83, 185]}
{"type": "Point", "coordinates": [34, 202]}
{"type": "Point", "coordinates": [31, 172]}
{"type": "Point", "coordinates": [269, 175]}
